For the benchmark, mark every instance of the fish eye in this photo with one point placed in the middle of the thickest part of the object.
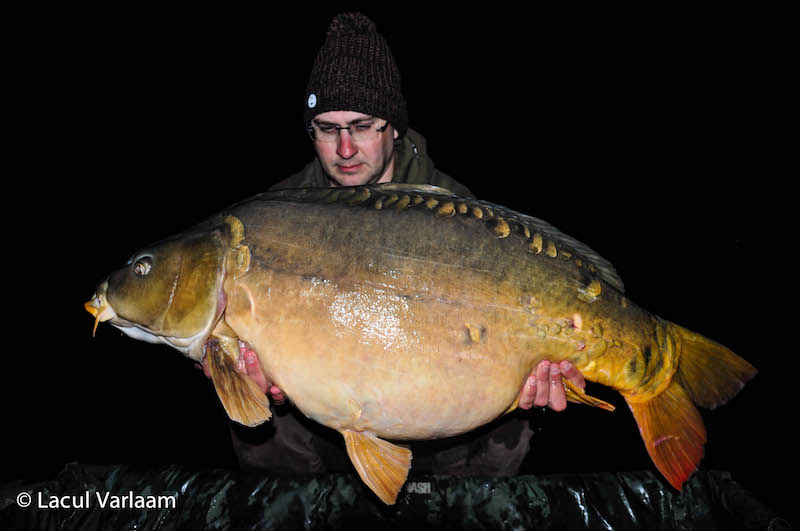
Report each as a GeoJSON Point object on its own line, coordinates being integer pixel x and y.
{"type": "Point", "coordinates": [142, 266]}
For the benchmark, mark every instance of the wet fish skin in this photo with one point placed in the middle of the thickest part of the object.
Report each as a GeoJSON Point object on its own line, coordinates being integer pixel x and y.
{"type": "Point", "coordinates": [374, 307]}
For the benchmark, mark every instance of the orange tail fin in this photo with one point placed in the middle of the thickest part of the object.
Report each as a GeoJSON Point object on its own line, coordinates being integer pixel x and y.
{"type": "Point", "coordinates": [708, 375]}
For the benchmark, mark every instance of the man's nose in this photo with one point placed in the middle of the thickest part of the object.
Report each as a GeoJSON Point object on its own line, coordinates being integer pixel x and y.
{"type": "Point", "coordinates": [345, 147]}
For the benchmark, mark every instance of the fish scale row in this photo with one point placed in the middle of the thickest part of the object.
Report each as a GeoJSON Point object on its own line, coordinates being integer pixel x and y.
{"type": "Point", "coordinates": [539, 236]}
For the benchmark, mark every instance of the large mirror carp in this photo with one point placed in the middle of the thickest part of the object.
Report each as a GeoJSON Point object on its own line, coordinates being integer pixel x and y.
{"type": "Point", "coordinates": [373, 307]}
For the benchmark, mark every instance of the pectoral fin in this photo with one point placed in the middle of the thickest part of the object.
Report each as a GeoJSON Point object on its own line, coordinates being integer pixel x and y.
{"type": "Point", "coordinates": [577, 395]}
{"type": "Point", "coordinates": [244, 402]}
{"type": "Point", "coordinates": [383, 466]}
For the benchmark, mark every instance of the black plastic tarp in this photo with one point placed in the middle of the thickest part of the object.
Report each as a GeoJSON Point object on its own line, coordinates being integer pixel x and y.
{"type": "Point", "coordinates": [171, 497]}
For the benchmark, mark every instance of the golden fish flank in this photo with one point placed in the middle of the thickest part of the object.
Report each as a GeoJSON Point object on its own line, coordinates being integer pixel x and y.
{"type": "Point", "coordinates": [375, 331]}
{"type": "Point", "coordinates": [358, 311]}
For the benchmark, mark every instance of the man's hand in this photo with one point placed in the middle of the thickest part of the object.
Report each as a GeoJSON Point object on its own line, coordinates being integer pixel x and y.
{"type": "Point", "coordinates": [253, 368]}
{"type": "Point", "coordinates": [545, 388]}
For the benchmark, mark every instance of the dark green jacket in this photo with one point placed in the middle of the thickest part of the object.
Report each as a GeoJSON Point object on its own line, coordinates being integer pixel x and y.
{"type": "Point", "coordinates": [412, 165]}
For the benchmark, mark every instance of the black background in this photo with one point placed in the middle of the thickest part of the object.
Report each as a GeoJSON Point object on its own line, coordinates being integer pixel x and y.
{"type": "Point", "coordinates": [654, 137]}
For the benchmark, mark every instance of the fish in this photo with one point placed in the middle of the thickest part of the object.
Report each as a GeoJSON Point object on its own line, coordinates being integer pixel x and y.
{"type": "Point", "coordinates": [372, 307]}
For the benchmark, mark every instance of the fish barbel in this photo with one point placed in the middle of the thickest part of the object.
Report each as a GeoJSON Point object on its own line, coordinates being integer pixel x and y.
{"type": "Point", "coordinates": [372, 307]}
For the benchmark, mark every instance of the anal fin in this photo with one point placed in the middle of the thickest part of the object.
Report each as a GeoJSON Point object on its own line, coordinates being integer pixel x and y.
{"type": "Point", "coordinates": [382, 466]}
{"type": "Point", "coordinates": [577, 395]}
{"type": "Point", "coordinates": [243, 401]}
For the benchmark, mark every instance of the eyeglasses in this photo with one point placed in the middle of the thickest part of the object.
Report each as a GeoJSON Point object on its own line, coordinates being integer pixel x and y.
{"type": "Point", "coordinates": [359, 132]}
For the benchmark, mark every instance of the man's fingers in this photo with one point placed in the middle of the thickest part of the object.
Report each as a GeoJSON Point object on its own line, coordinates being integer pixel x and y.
{"type": "Point", "coordinates": [545, 387]}
{"type": "Point", "coordinates": [256, 374]}
{"type": "Point", "coordinates": [542, 375]}
{"type": "Point", "coordinates": [253, 369]}
{"type": "Point", "coordinates": [528, 393]}
{"type": "Point", "coordinates": [558, 396]}
{"type": "Point", "coordinates": [277, 395]}
{"type": "Point", "coordinates": [572, 374]}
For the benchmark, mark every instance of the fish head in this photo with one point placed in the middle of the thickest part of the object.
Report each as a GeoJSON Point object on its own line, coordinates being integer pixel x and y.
{"type": "Point", "coordinates": [170, 292]}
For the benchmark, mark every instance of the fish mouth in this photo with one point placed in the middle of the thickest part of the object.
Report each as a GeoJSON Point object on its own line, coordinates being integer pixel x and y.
{"type": "Point", "coordinates": [99, 308]}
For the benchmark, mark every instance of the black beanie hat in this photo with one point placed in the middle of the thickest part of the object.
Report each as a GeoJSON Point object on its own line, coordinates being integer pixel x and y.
{"type": "Point", "coordinates": [355, 71]}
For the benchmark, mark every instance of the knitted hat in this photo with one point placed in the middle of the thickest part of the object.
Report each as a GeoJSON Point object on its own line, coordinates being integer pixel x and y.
{"type": "Point", "coordinates": [355, 71]}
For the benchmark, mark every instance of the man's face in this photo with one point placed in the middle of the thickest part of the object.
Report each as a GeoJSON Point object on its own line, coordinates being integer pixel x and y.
{"type": "Point", "coordinates": [349, 163]}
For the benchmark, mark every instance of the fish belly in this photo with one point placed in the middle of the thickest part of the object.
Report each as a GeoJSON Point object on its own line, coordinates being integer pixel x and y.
{"type": "Point", "coordinates": [374, 360]}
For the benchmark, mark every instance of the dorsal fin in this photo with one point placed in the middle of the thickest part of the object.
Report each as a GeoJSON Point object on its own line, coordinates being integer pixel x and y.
{"type": "Point", "coordinates": [408, 188]}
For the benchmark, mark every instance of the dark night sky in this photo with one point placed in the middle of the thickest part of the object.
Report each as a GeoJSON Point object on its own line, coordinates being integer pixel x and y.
{"type": "Point", "coordinates": [651, 139]}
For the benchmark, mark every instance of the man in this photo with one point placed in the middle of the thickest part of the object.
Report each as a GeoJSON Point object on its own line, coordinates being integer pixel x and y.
{"type": "Point", "coordinates": [358, 122]}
